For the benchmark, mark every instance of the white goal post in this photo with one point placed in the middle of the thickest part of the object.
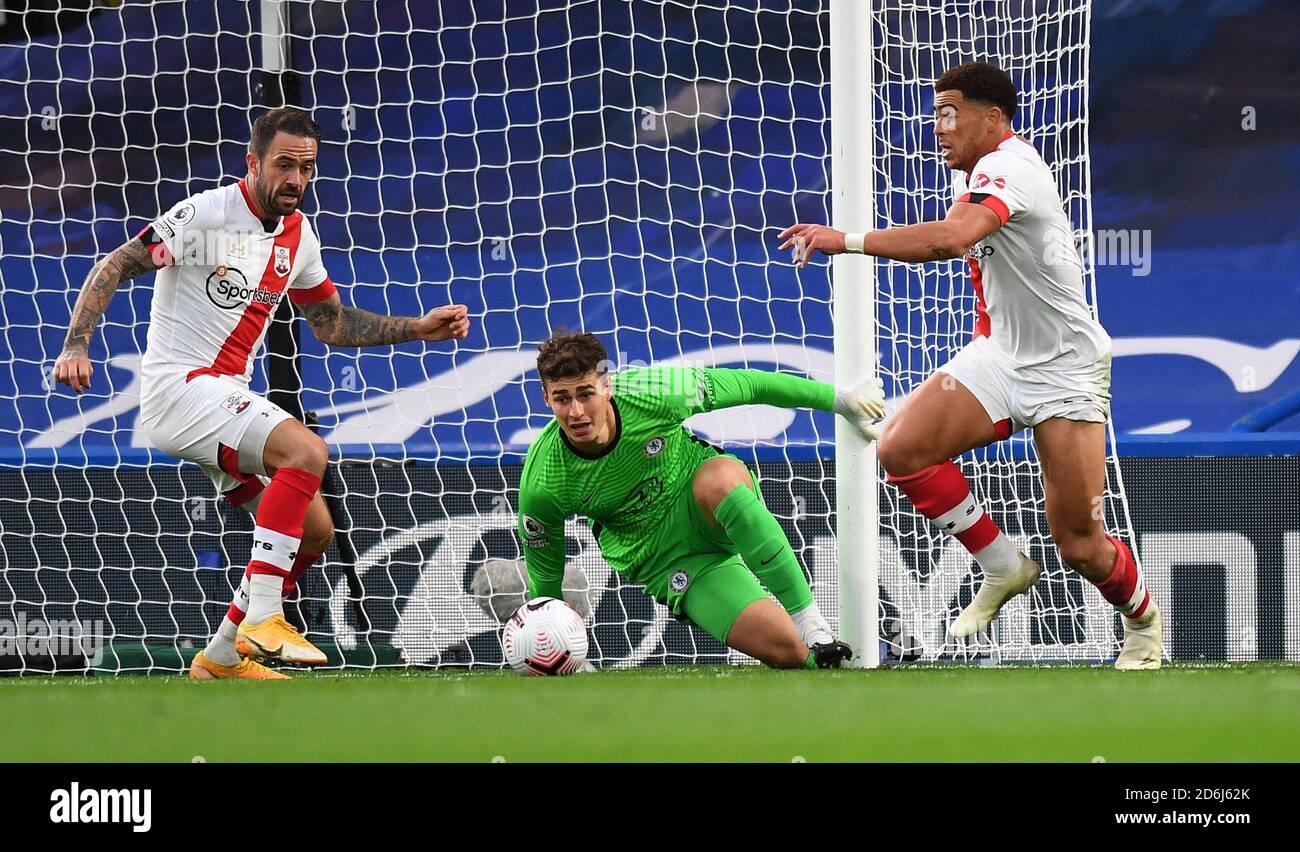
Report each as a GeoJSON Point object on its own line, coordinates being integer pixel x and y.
{"type": "Point", "coordinates": [857, 494]}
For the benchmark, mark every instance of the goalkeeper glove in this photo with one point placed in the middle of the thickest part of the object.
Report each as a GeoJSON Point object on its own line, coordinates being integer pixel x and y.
{"type": "Point", "coordinates": [863, 405]}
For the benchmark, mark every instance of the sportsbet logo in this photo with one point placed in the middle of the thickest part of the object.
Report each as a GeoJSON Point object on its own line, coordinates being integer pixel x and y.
{"type": "Point", "coordinates": [228, 288]}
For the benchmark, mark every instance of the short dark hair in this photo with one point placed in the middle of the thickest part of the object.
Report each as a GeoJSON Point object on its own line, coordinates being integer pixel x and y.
{"type": "Point", "coordinates": [981, 81]}
{"type": "Point", "coordinates": [286, 119]}
{"type": "Point", "coordinates": [570, 355]}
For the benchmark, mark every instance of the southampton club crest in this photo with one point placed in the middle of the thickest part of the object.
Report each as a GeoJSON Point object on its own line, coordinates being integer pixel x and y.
{"type": "Point", "coordinates": [282, 260]}
{"type": "Point", "coordinates": [236, 403]}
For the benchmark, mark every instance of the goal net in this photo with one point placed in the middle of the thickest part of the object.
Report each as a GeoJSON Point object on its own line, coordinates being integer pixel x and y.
{"type": "Point", "coordinates": [618, 167]}
{"type": "Point", "coordinates": [925, 316]}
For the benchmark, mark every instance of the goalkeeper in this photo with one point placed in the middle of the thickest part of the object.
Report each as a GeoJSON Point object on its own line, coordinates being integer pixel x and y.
{"type": "Point", "coordinates": [669, 511]}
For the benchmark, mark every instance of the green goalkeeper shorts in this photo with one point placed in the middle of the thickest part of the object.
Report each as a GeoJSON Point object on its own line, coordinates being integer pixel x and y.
{"type": "Point", "coordinates": [696, 571]}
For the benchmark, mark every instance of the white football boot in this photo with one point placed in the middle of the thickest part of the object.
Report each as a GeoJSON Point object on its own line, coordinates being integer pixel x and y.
{"type": "Point", "coordinates": [992, 594]}
{"type": "Point", "coordinates": [1142, 641]}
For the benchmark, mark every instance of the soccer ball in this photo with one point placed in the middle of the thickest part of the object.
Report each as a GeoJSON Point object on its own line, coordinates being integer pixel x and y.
{"type": "Point", "coordinates": [545, 637]}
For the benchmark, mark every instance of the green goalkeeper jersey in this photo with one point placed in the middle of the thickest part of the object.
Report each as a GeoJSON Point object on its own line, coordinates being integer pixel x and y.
{"type": "Point", "coordinates": [626, 491]}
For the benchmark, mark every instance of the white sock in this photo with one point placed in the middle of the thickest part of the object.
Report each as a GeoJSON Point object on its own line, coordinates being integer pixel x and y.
{"type": "Point", "coordinates": [221, 650]}
{"type": "Point", "coordinates": [807, 618]}
{"type": "Point", "coordinates": [242, 593]}
{"type": "Point", "coordinates": [1001, 558]}
{"type": "Point", "coordinates": [264, 597]}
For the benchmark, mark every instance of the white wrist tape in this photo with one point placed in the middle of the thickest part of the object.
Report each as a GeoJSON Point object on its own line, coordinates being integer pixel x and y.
{"type": "Point", "coordinates": [853, 242]}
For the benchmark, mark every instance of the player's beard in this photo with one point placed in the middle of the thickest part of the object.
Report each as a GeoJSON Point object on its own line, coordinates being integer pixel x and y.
{"type": "Point", "coordinates": [270, 202]}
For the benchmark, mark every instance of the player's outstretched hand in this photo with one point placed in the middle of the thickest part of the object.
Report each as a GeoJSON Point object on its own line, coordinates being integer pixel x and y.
{"type": "Point", "coordinates": [446, 323]}
{"type": "Point", "coordinates": [863, 405]}
{"type": "Point", "coordinates": [805, 239]}
{"type": "Point", "coordinates": [73, 369]}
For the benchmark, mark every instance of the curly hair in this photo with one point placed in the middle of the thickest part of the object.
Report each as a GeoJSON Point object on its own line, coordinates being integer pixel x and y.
{"type": "Point", "coordinates": [569, 355]}
{"type": "Point", "coordinates": [981, 81]}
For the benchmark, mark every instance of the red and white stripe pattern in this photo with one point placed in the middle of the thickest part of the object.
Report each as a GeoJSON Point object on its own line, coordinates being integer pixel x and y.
{"type": "Point", "coordinates": [280, 516]}
{"type": "Point", "coordinates": [983, 325]}
{"type": "Point", "coordinates": [250, 488]}
{"type": "Point", "coordinates": [235, 353]}
{"type": "Point", "coordinates": [1124, 588]}
{"type": "Point", "coordinates": [275, 549]}
{"type": "Point", "coordinates": [941, 493]}
{"type": "Point", "coordinates": [223, 268]}
{"type": "Point", "coordinates": [239, 606]}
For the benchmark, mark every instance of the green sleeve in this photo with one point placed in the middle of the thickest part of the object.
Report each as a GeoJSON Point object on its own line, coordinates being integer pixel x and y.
{"type": "Point", "coordinates": [760, 387]}
{"type": "Point", "coordinates": [685, 391]}
{"type": "Point", "coordinates": [541, 532]}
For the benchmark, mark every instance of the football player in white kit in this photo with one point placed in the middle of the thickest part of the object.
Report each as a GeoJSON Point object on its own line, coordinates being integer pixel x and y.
{"type": "Point", "coordinates": [225, 258]}
{"type": "Point", "coordinates": [1038, 360]}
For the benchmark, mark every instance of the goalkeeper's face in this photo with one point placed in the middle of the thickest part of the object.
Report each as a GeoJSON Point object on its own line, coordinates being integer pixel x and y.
{"type": "Point", "coordinates": [281, 177]}
{"type": "Point", "coordinates": [582, 407]}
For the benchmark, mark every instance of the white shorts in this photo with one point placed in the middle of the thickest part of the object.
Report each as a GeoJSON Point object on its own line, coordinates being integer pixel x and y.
{"type": "Point", "coordinates": [1018, 399]}
{"type": "Point", "coordinates": [215, 422]}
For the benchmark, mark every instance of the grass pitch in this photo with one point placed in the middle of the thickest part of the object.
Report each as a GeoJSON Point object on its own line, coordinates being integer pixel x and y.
{"type": "Point", "coordinates": [700, 713]}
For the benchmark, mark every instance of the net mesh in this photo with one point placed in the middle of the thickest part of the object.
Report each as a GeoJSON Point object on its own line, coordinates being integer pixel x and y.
{"type": "Point", "coordinates": [617, 167]}
{"type": "Point", "coordinates": [925, 313]}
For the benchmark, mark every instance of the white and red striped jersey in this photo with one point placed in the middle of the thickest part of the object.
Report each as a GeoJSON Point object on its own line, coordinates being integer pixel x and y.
{"type": "Point", "coordinates": [1027, 275]}
{"type": "Point", "coordinates": [222, 272]}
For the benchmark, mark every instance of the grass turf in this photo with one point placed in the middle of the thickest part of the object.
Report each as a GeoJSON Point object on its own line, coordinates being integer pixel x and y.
{"type": "Point", "coordinates": [704, 713]}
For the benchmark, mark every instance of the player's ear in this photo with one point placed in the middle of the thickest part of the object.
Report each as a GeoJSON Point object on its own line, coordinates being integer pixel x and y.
{"type": "Point", "coordinates": [997, 118]}
{"type": "Point", "coordinates": [250, 159]}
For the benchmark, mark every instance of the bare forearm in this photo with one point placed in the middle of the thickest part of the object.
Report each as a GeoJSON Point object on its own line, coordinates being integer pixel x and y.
{"type": "Point", "coordinates": [916, 243]}
{"type": "Point", "coordinates": [97, 291]}
{"type": "Point", "coordinates": [339, 325]}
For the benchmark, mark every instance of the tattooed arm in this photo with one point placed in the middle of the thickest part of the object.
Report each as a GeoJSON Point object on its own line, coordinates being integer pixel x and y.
{"type": "Point", "coordinates": [338, 325]}
{"type": "Point", "coordinates": [128, 261]}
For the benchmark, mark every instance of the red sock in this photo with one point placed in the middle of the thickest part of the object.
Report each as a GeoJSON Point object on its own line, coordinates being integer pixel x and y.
{"type": "Point", "coordinates": [941, 493]}
{"type": "Point", "coordinates": [239, 606]}
{"type": "Point", "coordinates": [1124, 588]}
{"type": "Point", "coordinates": [301, 563]}
{"type": "Point", "coordinates": [280, 517]}
{"type": "Point", "coordinates": [247, 491]}
{"type": "Point", "coordinates": [234, 613]}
